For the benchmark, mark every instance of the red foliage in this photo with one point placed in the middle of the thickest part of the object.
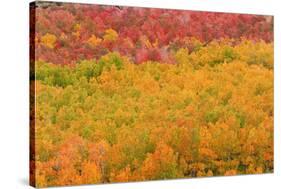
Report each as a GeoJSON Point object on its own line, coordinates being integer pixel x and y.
{"type": "Point", "coordinates": [74, 24]}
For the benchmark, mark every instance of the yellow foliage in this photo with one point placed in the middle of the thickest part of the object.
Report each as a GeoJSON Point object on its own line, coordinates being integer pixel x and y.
{"type": "Point", "coordinates": [160, 164]}
{"type": "Point", "coordinates": [230, 173]}
{"type": "Point", "coordinates": [94, 41]}
{"type": "Point", "coordinates": [122, 176]}
{"type": "Point", "coordinates": [219, 52]}
{"type": "Point", "coordinates": [77, 27]}
{"type": "Point", "coordinates": [49, 40]}
{"type": "Point", "coordinates": [256, 53]}
{"type": "Point", "coordinates": [90, 173]}
{"type": "Point", "coordinates": [110, 35]}
{"type": "Point", "coordinates": [76, 30]}
{"type": "Point", "coordinates": [110, 120]}
{"type": "Point", "coordinates": [182, 56]}
{"type": "Point", "coordinates": [147, 43]}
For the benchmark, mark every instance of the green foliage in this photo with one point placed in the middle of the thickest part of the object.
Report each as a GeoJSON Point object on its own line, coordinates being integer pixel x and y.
{"type": "Point", "coordinates": [112, 59]}
{"type": "Point", "coordinates": [212, 116]}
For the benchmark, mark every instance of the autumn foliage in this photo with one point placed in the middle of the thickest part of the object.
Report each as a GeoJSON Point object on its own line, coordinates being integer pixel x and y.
{"type": "Point", "coordinates": [71, 32]}
{"type": "Point", "coordinates": [135, 99]}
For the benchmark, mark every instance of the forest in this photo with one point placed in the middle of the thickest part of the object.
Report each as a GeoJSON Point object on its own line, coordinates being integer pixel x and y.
{"type": "Point", "coordinates": [135, 94]}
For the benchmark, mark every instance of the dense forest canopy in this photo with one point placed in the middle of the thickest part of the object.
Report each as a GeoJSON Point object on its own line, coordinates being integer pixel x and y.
{"type": "Point", "coordinates": [133, 94]}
